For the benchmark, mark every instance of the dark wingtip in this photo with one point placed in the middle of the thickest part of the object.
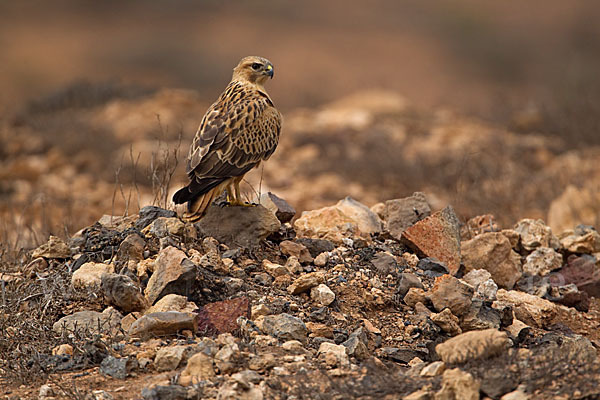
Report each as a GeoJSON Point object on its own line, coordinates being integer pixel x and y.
{"type": "Point", "coordinates": [181, 196]}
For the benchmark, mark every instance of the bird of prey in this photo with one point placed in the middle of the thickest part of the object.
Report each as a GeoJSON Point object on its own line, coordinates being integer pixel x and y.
{"type": "Point", "coordinates": [239, 131]}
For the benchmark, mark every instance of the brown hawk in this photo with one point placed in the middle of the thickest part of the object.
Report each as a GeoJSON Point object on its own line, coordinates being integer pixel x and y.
{"type": "Point", "coordinates": [238, 131]}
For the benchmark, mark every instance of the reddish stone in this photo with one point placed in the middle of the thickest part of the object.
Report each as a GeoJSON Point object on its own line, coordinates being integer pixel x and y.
{"type": "Point", "coordinates": [437, 236]}
{"type": "Point", "coordinates": [581, 271]}
{"type": "Point", "coordinates": [221, 316]}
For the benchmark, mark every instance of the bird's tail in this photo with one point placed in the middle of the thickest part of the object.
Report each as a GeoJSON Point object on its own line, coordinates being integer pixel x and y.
{"type": "Point", "coordinates": [198, 206]}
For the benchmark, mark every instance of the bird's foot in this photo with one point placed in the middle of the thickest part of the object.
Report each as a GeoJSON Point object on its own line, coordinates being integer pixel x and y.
{"type": "Point", "coordinates": [223, 203]}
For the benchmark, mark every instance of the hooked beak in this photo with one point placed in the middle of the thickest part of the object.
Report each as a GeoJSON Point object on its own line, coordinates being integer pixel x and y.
{"type": "Point", "coordinates": [269, 70]}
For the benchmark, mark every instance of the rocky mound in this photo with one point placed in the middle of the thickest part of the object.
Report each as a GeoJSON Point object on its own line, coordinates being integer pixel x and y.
{"type": "Point", "coordinates": [344, 302]}
{"type": "Point", "coordinates": [88, 151]}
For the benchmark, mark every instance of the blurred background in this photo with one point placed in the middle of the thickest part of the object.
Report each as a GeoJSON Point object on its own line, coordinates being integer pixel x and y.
{"type": "Point", "coordinates": [493, 107]}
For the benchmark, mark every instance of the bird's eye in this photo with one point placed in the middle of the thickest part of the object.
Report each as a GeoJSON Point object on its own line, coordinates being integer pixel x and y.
{"type": "Point", "coordinates": [256, 66]}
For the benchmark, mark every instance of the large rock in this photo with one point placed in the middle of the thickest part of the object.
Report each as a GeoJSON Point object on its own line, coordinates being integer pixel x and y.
{"type": "Point", "coordinates": [238, 226]}
{"type": "Point", "coordinates": [162, 323]}
{"type": "Point", "coordinates": [584, 239]}
{"type": "Point", "coordinates": [54, 248]}
{"type": "Point", "coordinates": [285, 327]}
{"type": "Point", "coordinates": [368, 222]}
{"type": "Point", "coordinates": [403, 213]}
{"type": "Point", "coordinates": [449, 292]}
{"type": "Point", "coordinates": [298, 250]}
{"type": "Point", "coordinates": [163, 227]}
{"type": "Point", "coordinates": [173, 273]}
{"type": "Point", "coordinates": [89, 275]}
{"type": "Point", "coordinates": [122, 292]}
{"type": "Point", "coordinates": [132, 248]}
{"type": "Point", "coordinates": [173, 302]}
{"type": "Point", "coordinates": [457, 384]}
{"type": "Point", "coordinates": [535, 233]}
{"type": "Point", "coordinates": [150, 213]}
{"type": "Point", "coordinates": [221, 316]}
{"type": "Point", "coordinates": [328, 223]}
{"type": "Point", "coordinates": [542, 261]}
{"type": "Point", "coordinates": [92, 322]}
{"type": "Point", "coordinates": [492, 251]}
{"type": "Point", "coordinates": [306, 282]}
{"type": "Point", "coordinates": [200, 367]}
{"type": "Point", "coordinates": [528, 308]}
{"type": "Point", "coordinates": [437, 236]}
{"type": "Point", "coordinates": [473, 345]}
{"type": "Point", "coordinates": [581, 271]}
{"type": "Point", "coordinates": [278, 206]}
{"type": "Point", "coordinates": [170, 358]}
{"type": "Point", "coordinates": [333, 354]}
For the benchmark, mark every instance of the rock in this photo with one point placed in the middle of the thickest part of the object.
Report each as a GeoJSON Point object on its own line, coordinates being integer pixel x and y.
{"type": "Point", "coordinates": [384, 263]}
{"type": "Point", "coordinates": [278, 206]}
{"type": "Point", "coordinates": [513, 237]}
{"type": "Point", "coordinates": [492, 252]}
{"type": "Point", "coordinates": [356, 347]}
{"type": "Point", "coordinates": [132, 248]}
{"type": "Point", "coordinates": [118, 368]}
{"type": "Point", "coordinates": [173, 302]}
{"type": "Point", "coordinates": [166, 392]}
{"type": "Point", "coordinates": [403, 213]}
{"type": "Point", "coordinates": [238, 226]}
{"type": "Point", "coordinates": [480, 316]}
{"type": "Point", "coordinates": [293, 346]}
{"type": "Point", "coordinates": [149, 213]}
{"type": "Point", "coordinates": [414, 296]}
{"type": "Point", "coordinates": [475, 277]}
{"type": "Point", "coordinates": [452, 293]}
{"type": "Point", "coordinates": [457, 384]}
{"type": "Point", "coordinates": [437, 236]}
{"type": "Point", "coordinates": [518, 331]}
{"type": "Point", "coordinates": [274, 269]}
{"type": "Point", "coordinates": [321, 259]}
{"type": "Point", "coordinates": [447, 321]}
{"type": "Point", "coordinates": [121, 292]}
{"type": "Point", "coordinates": [173, 274]}
{"type": "Point", "coordinates": [91, 322]}
{"type": "Point", "coordinates": [162, 227]}
{"type": "Point", "coordinates": [241, 387]}
{"type": "Point", "coordinates": [89, 275]}
{"type": "Point", "coordinates": [584, 240]}
{"type": "Point", "coordinates": [403, 354]}
{"type": "Point", "coordinates": [473, 345]}
{"type": "Point", "coordinates": [228, 358]}
{"type": "Point", "coordinates": [581, 271]}
{"type": "Point", "coordinates": [434, 369]}
{"type": "Point", "coordinates": [406, 281]}
{"type": "Point", "coordinates": [368, 222]}
{"type": "Point", "coordinates": [63, 349]}
{"type": "Point", "coordinates": [298, 250]}
{"type": "Point", "coordinates": [487, 290]}
{"type": "Point", "coordinates": [129, 319]}
{"type": "Point", "coordinates": [528, 308]}
{"type": "Point", "coordinates": [542, 261]}
{"type": "Point", "coordinates": [306, 282]}
{"type": "Point", "coordinates": [293, 265]}
{"type": "Point", "coordinates": [316, 246]}
{"type": "Point", "coordinates": [322, 295]}
{"type": "Point", "coordinates": [162, 323]}
{"type": "Point", "coordinates": [333, 354]}
{"type": "Point", "coordinates": [535, 233]}
{"type": "Point", "coordinates": [221, 316]}
{"type": "Point", "coordinates": [285, 327]}
{"type": "Point", "coordinates": [199, 368]}
{"type": "Point", "coordinates": [329, 223]}
{"type": "Point", "coordinates": [478, 225]}
{"type": "Point", "coordinates": [570, 296]}
{"type": "Point", "coordinates": [54, 248]}
{"type": "Point", "coordinates": [518, 394]}
{"type": "Point", "coordinates": [170, 358]}
{"type": "Point", "coordinates": [260, 310]}
{"type": "Point", "coordinates": [317, 329]}
{"type": "Point", "coordinates": [432, 267]}
{"type": "Point", "coordinates": [421, 394]}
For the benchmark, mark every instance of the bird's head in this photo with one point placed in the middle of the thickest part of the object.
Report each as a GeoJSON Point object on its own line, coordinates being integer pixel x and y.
{"type": "Point", "coordinates": [253, 69]}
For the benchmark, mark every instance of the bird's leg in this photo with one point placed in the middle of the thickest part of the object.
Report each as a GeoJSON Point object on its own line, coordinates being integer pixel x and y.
{"type": "Point", "coordinates": [238, 197]}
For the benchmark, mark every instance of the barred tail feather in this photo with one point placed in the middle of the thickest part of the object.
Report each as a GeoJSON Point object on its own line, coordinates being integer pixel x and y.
{"type": "Point", "coordinates": [198, 206]}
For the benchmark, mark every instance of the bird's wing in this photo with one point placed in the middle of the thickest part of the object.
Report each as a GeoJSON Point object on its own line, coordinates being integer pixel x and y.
{"type": "Point", "coordinates": [234, 136]}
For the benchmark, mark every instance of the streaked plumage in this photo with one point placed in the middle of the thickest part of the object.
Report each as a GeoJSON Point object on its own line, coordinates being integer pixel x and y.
{"type": "Point", "coordinates": [238, 131]}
